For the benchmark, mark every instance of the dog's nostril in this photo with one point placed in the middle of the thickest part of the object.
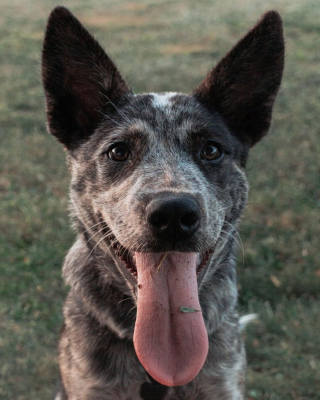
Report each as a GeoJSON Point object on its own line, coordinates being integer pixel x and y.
{"type": "Point", "coordinates": [189, 219]}
{"type": "Point", "coordinates": [159, 220]}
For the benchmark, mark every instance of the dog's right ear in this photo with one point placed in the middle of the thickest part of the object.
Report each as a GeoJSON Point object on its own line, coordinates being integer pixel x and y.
{"type": "Point", "coordinates": [244, 84]}
{"type": "Point", "coordinates": [78, 79]}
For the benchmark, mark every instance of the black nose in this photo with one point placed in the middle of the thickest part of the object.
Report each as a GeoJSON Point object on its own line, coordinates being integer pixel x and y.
{"type": "Point", "coordinates": [173, 217]}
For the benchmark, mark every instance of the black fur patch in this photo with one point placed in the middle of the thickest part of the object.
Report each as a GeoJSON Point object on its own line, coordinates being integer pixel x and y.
{"type": "Point", "coordinates": [244, 84]}
{"type": "Point", "coordinates": [78, 78]}
{"type": "Point", "coordinates": [153, 390]}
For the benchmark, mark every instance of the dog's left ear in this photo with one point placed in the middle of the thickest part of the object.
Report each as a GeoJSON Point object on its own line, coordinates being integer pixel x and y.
{"type": "Point", "coordinates": [244, 84]}
{"type": "Point", "coordinates": [78, 77]}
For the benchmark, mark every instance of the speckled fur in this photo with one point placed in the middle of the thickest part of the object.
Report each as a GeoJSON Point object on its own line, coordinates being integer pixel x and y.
{"type": "Point", "coordinates": [89, 108]}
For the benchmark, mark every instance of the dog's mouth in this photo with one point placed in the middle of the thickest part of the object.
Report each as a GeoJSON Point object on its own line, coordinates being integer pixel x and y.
{"type": "Point", "coordinates": [128, 259]}
{"type": "Point", "coordinates": [170, 338]}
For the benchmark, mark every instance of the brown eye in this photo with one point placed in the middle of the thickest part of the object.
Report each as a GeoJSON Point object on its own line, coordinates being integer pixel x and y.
{"type": "Point", "coordinates": [119, 152]}
{"type": "Point", "coordinates": [211, 152]}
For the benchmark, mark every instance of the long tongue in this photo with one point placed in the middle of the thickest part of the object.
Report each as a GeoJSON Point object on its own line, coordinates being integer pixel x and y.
{"type": "Point", "coordinates": [170, 337]}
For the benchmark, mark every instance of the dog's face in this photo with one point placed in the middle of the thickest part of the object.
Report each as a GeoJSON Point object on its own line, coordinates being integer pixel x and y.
{"type": "Point", "coordinates": [157, 175]}
{"type": "Point", "coordinates": [151, 154]}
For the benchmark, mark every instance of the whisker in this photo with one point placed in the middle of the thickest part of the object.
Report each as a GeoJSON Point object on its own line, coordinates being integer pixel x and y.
{"type": "Point", "coordinates": [121, 301]}
{"type": "Point", "coordinates": [103, 237]}
{"type": "Point", "coordinates": [117, 108]}
{"type": "Point", "coordinates": [96, 233]}
{"type": "Point", "coordinates": [107, 116]}
{"type": "Point", "coordinates": [90, 227]}
{"type": "Point", "coordinates": [131, 309]}
{"type": "Point", "coordinates": [239, 244]}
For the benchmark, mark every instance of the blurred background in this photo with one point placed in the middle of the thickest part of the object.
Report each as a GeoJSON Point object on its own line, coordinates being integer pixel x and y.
{"type": "Point", "coordinates": [162, 45]}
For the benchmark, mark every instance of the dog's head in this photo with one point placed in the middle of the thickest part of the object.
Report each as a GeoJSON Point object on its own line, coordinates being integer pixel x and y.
{"type": "Point", "coordinates": [160, 178]}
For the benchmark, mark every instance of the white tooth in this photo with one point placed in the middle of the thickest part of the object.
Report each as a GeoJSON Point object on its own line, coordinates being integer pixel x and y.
{"type": "Point", "coordinates": [199, 259]}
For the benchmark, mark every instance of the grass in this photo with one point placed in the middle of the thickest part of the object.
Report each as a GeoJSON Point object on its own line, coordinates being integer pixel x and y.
{"type": "Point", "coordinates": [159, 46]}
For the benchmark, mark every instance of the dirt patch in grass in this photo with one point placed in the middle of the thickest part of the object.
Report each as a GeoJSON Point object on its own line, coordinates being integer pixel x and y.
{"type": "Point", "coordinates": [112, 21]}
{"type": "Point", "coordinates": [183, 49]}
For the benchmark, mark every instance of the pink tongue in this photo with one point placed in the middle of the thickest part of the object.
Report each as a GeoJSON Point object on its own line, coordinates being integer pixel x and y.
{"type": "Point", "coordinates": [171, 344]}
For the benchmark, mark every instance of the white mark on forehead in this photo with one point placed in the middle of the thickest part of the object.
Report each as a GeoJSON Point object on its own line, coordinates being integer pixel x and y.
{"type": "Point", "coordinates": [162, 100]}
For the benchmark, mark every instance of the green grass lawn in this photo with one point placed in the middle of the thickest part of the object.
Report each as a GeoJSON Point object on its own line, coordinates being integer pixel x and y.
{"type": "Point", "coordinates": [159, 46]}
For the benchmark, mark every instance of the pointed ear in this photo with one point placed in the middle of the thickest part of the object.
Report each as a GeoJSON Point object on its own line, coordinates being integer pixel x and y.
{"type": "Point", "coordinates": [244, 84]}
{"type": "Point", "coordinates": [78, 77]}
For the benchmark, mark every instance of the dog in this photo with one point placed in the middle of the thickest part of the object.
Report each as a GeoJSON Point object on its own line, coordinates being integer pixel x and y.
{"type": "Point", "coordinates": [158, 186]}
